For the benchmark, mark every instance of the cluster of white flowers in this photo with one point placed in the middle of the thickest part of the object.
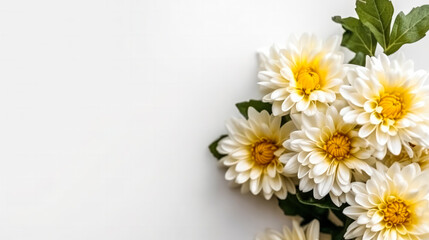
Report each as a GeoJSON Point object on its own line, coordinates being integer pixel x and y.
{"type": "Point", "coordinates": [359, 135]}
{"type": "Point", "coordinates": [308, 232]}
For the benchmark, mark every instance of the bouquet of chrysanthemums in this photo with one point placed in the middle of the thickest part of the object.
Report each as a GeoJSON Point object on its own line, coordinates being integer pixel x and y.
{"type": "Point", "coordinates": [343, 147]}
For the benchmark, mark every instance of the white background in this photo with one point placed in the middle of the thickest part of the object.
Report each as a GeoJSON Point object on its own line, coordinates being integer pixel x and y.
{"type": "Point", "coordinates": [107, 108]}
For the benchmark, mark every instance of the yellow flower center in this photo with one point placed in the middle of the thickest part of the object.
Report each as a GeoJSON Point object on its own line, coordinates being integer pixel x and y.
{"type": "Point", "coordinates": [263, 152]}
{"type": "Point", "coordinates": [396, 212]}
{"type": "Point", "coordinates": [307, 80]}
{"type": "Point", "coordinates": [338, 146]}
{"type": "Point", "coordinates": [393, 106]}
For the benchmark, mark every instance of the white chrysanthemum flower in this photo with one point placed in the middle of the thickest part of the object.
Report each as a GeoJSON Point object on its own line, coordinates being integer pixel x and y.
{"type": "Point", "coordinates": [304, 76]}
{"type": "Point", "coordinates": [309, 232]}
{"type": "Point", "coordinates": [420, 156]}
{"type": "Point", "coordinates": [393, 204]}
{"type": "Point", "coordinates": [326, 152]}
{"type": "Point", "coordinates": [253, 148]}
{"type": "Point", "coordinates": [390, 100]}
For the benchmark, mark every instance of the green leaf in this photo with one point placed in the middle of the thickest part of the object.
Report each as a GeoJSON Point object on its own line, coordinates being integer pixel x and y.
{"type": "Point", "coordinates": [359, 59]}
{"type": "Point", "coordinates": [377, 16]}
{"type": "Point", "coordinates": [303, 205]}
{"type": "Point", "coordinates": [308, 199]}
{"type": "Point", "coordinates": [357, 37]}
{"type": "Point", "coordinates": [409, 28]}
{"type": "Point", "coordinates": [292, 206]}
{"type": "Point", "coordinates": [339, 213]}
{"type": "Point", "coordinates": [213, 148]}
{"type": "Point", "coordinates": [285, 119]}
{"type": "Point", "coordinates": [258, 105]}
{"type": "Point", "coordinates": [338, 234]}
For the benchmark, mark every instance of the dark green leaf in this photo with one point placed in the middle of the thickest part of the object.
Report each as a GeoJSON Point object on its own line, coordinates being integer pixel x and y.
{"type": "Point", "coordinates": [409, 28]}
{"type": "Point", "coordinates": [285, 119]}
{"type": "Point", "coordinates": [357, 37]}
{"type": "Point", "coordinates": [292, 206]}
{"type": "Point", "coordinates": [308, 199]}
{"type": "Point", "coordinates": [301, 205]}
{"type": "Point", "coordinates": [213, 148]}
{"type": "Point", "coordinates": [256, 104]}
{"type": "Point", "coordinates": [338, 234]}
{"type": "Point", "coordinates": [377, 16]}
{"type": "Point", "coordinates": [259, 106]}
{"type": "Point", "coordinates": [359, 59]}
{"type": "Point", "coordinates": [339, 213]}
